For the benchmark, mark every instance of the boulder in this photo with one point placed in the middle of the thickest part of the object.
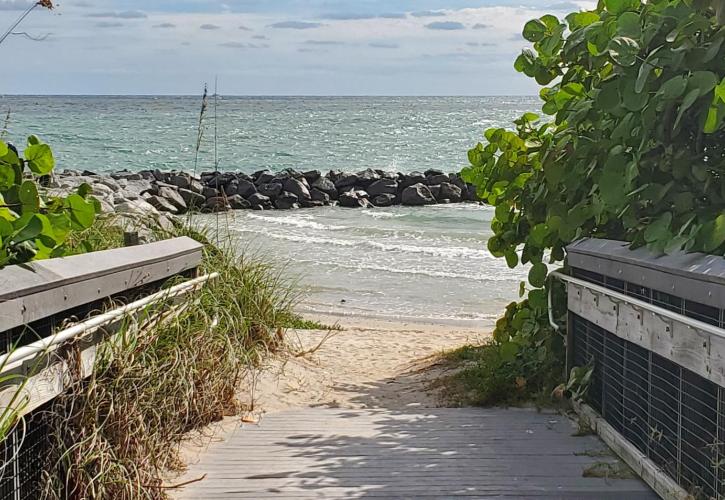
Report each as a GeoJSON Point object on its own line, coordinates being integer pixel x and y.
{"type": "Point", "coordinates": [182, 181]}
{"type": "Point", "coordinates": [318, 195]}
{"type": "Point", "coordinates": [272, 189]}
{"type": "Point", "coordinates": [435, 190]}
{"type": "Point", "coordinates": [432, 171]}
{"type": "Point", "coordinates": [238, 203]}
{"type": "Point", "coordinates": [216, 204]}
{"type": "Point", "coordinates": [192, 199]}
{"type": "Point", "coordinates": [383, 186]}
{"type": "Point", "coordinates": [353, 199]}
{"type": "Point", "coordinates": [260, 202]}
{"type": "Point", "coordinates": [410, 179]}
{"type": "Point", "coordinates": [209, 192]}
{"type": "Point", "coordinates": [101, 189]}
{"type": "Point", "coordinates": [135, 188]}
{"type": "Point", "coordinates": [312, 175]}
{"type": "Point", "coordinates": [345, 180]}
{"type": "Point", "coordinates": [230, 188]}
{"type": "Point", "coordinates": [298, 188]}
{"type": "Point", "coordinates": [286, 200]}
{"type": "Point", "coordinates": [326, 186]}
{"type": "Point", "coordinates": [384, 200]}
{"type": "Point", "coordinates": [450, 192]}
{"type": "Point", "coordinates": [136, 207]}
{"type": "Point", "coordinates": [173, 197]}
{"type": "Point", "coordinates": [456, 180]}
{"type": "Point", "coordinates": [366, 177]}
{"type": "Point", "coordinates": [246, 188]}
{"type": "Point", "coordinates": [436, 179]}
{"type": "Point", "coordinates": [241, 176]}
{"type": "Point", "coordinates": [196, 186]}
{"type": "Point", "coordinates": [161, 204]}
{"type": "Point", "coordinates": [311, 204]}
{"type": "Point", "coordinates": [263, 177]}
{"type": "Point", "coordinates": [417, 195]}
{"type": "Point", "coordinates": [111, 183]}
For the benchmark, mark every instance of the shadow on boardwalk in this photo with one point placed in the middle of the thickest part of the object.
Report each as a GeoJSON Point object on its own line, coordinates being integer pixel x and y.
{"type": "Point", "coordinates": [407, 453]}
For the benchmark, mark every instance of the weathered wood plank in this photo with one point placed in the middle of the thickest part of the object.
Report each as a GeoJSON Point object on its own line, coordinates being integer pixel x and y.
{"type": "Point", "coordinates": [416, 453]}
{"type": "Point", "coordinates": [40, 289]}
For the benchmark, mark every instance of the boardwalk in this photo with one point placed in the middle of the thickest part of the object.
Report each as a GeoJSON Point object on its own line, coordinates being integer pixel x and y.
{"type": "Point", "coordinates": [426, 453]}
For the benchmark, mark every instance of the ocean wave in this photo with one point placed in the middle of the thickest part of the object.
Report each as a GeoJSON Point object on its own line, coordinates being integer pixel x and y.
{"type": "Point", "coordinates": [431, 273]}
{"type": "Point", "coordinates": [448, 252]}
{"type": "Point", "coordinates": [303, 221]}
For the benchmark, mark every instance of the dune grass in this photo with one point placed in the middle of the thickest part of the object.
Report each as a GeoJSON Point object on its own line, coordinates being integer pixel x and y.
{"type": "Point", "coordinates": [116, 433]}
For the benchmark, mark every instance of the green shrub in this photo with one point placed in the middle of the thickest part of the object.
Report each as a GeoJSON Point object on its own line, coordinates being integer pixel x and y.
{"type": "Point", "coordinates": [32, 226]}
{"type": "Point", "coordinates": [634, 149]}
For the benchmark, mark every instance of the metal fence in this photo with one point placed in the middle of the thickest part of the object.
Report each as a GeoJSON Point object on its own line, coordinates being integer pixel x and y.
{"type": "Point", "coordinates": [668, 403]}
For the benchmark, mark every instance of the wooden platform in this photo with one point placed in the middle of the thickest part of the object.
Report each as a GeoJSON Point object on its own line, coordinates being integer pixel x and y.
{"type": "Point", "coordinates": [426, 453]}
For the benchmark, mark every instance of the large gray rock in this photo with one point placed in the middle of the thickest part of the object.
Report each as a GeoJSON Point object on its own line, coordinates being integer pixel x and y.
{"type": "Point", "coordinates": [450, 192]}
{"type": "Point", "coordinates": [136, 207]}
{"type": "Point", "coordinates": [410, 179]}
{"type": "Point", "coordinates": [210, 192]}
{"type": "Point", "coordinates": [298, 187]}
{"type": "Point", "coordinates": [271, 190]}
{"type": "Point", "coordinates": [173, 196]}
{"type": "Point", "coordinates": [161, 204]}
{"type": "Point", "coordinates": [345, 180]}
{"type": "Point", "coordinates": [181, 181]}
{"type": "Point", "coordinates": [326, 186]}
{"type": "Point", "coordinates": [263, 177]}
{"type": "Point", "coordinates": [238, 203]}
{"type": "Point", "coordinates": [436, 179]}
{"type": "Point", "coordinates": [312, 175]}
{"type": "Point", "coordinates": [246, 188]}
{"type": "Point", "coordinates": [286, 200]}
{"type": "Point", "coordinates": [384, 200]}
{"type": "Point", "coordinates": [382, 186]}
{"type": "Point", "coordinates": [321, 196]}
{"type": "Point", "coordinates": [354, 199]}
{"type": "Point", "coordinates": [217, 204]}
{"type": "Point", "coordinates": [260, 202]}
{"type": "Point", "coordinates": [134, 189]}
{"type": "Point", "coordinates": [366, 177]}
{"type": "Point", "coordinates": [417, 195]}
{"type": "Point", "coordinates": [101, 190]}
{"type": "Point", "coordinates": [193, 200]}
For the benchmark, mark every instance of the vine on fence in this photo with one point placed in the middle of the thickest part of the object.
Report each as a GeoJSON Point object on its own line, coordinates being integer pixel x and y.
{"type": "Point", "coordinates": [634, 149]}
{"type": "Point", "coordinates": [33, 226]}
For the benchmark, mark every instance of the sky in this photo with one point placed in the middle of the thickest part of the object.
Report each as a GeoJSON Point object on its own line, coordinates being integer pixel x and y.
{"type": "Point", "coordinates": [272, 47]}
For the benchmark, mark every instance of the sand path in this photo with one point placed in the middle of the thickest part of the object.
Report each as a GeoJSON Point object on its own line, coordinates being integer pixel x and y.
{"type": "Point", "coordinates": [369, 364]}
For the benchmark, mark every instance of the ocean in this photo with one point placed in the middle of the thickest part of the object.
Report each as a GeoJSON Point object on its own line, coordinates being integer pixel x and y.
{"type": "Point", "coordinates": [414, 264]}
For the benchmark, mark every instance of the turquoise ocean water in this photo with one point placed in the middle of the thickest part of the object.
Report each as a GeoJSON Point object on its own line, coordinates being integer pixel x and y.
{"type": "Point", "coordinates": [424, 263]}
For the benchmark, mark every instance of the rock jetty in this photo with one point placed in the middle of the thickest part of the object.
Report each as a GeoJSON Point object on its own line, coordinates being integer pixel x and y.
{"type": "Point", "coordinates": [178, 192]}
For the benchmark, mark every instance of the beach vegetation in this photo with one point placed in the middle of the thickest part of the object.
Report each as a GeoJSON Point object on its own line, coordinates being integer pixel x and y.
{"type": "Point", "coordinates": [117, 433]}
{"type": "Point", "coordinates": [630, 146]}
{"type": "Point", "coordinates": [33, 225]}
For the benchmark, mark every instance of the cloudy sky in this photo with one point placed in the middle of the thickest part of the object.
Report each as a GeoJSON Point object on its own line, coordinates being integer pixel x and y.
{"type": "Point", "coordinates": [278, 47]}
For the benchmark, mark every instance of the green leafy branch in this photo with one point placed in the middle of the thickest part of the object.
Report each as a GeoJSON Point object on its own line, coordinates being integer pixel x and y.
{"type": "Point", "coordinates": [33, 226]}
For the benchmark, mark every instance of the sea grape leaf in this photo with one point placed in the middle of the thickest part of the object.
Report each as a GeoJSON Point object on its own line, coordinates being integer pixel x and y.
{"type": "Point", "coordinates": [39, 158]}
{"type": "Point", "coordinates": [537, 275]}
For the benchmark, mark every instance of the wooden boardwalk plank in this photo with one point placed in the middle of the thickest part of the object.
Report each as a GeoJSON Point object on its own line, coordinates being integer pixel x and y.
{"type": "Point", "coordinates": [416, 453]}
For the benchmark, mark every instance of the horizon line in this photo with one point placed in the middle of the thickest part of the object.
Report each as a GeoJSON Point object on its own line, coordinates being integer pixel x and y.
{"type": "Point", "coordinates": [267, 95]}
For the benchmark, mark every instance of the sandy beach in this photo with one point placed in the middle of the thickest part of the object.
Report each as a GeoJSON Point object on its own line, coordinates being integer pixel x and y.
{"type": "Point", "coordinates": [369, 364]}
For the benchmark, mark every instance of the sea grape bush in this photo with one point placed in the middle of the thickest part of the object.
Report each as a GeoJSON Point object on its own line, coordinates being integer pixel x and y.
{"type": "Point", "coordinates": [32, 226]}
{"type": "Point", "coordinates": [634, 148]}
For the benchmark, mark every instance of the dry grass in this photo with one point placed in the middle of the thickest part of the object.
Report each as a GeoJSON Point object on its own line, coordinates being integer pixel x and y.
{"type": "Point", "coordinates": [115, 433]}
